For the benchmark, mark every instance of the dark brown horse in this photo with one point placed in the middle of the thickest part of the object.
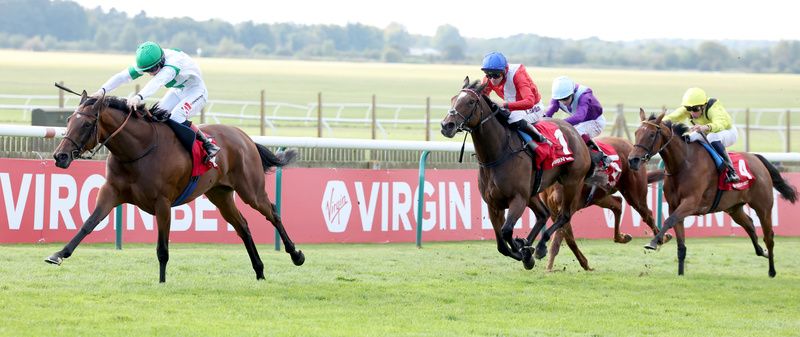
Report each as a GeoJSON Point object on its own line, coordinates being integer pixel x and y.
{"type": "Point", "coordinates": [149, 168]}
{"type": "Point", "coordinates": [506, 179]}
{"type": "Point", "coordinates": [632, 184]}
{"type": "Point", "coordinates": [691, 185]}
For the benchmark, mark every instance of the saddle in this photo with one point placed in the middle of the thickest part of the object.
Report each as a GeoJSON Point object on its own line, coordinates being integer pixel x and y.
{"type": "Point", "coordinates": [188, 138]}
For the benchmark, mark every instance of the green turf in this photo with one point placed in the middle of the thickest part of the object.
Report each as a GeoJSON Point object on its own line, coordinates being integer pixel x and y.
{"type": "Point", "coordinates": [444, 289]}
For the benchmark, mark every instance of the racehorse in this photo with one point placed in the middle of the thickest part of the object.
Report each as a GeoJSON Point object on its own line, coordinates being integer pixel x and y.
{"type": "Point", "coordinates": [632, 184]}
{"type": "Point", "coordinates": [148, 167]}
{"type": "Point", "coordinates": [506, 175]}
{"type": "Point", "coordinates": [691, 185]}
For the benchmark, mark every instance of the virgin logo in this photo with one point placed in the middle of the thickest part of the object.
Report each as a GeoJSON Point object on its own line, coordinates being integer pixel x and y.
{"type": "Point", "coordinates": [336, 206]}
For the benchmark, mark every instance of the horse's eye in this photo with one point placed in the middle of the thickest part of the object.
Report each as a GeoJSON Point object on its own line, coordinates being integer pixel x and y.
{"type": "Point", "coordinates": [86, 125]}
{"type": "Point", "coordinates": [652, 135]}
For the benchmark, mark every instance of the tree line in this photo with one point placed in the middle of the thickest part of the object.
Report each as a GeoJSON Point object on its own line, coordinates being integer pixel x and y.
{"type": "Point", "coordinates": [64, 25]}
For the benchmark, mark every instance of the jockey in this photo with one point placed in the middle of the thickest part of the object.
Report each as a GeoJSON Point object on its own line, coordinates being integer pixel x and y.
{"type": "Point", "coordinates": [586, 113]}
{"type": "Point", "coordinates": [708, 116]}
{"type": "Point", "coordinates": [187, 93]}
{"type": "Point", "coordinates": [520, 94]}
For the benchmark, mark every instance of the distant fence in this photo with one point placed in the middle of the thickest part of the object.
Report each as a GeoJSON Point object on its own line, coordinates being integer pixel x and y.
{"type": "Point", "coordinates": [374, 120]}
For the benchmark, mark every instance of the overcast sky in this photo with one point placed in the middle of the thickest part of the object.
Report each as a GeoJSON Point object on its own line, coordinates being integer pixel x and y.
{"type": "Point", "coordinates": [606, 19]}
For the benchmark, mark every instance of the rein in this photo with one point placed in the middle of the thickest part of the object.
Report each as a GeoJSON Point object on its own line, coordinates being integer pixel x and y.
{"type": "Point", "coordinates": [462, 127]}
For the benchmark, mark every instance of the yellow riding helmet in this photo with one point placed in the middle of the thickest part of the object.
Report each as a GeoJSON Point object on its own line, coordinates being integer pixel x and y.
{"type": "Point", "coordinates": [694, 97]}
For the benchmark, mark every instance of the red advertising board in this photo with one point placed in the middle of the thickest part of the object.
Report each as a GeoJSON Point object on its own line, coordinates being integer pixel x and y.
{"type": "Point", "coordinates": [41, 203]}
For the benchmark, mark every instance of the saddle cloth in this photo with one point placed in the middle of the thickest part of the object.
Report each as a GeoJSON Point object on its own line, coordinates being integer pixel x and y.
{"type": "Point", "coordinates": [614, 169]}
{"type": "Point", "coordinates": [746, 177]}
{"type": "Point", "coordinates": [549, 156]}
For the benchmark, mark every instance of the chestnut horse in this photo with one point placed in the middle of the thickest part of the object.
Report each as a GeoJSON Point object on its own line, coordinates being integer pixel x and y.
{"type": "Point", "coordinates": [691, 185]}
{"type": "Point", "coordinates": [631, 184]}
{"type": "Point", "coordinates": [506, 175]}
{"type": "Point", "coordinates": [148, 167]}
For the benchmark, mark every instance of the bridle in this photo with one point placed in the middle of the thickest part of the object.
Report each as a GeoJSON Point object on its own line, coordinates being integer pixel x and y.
{"type": "Point", "coordinates": [77, 153]}
{"type": "Point", "coordinates": [649, 150]}
{"type": "Point", "coordinates": [464, 120]}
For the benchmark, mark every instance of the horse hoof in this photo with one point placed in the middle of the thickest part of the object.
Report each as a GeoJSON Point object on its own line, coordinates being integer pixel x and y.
{"type": "Point", "coordinates": [527, 259]}
{"type": "Point", "coordinates": [666, 238]}
{"type": "Point", "coordinates": [519, 244]}
{"type": "Point", "coordinates": [772, 273]}
{"type": "Point", "coordinates": [298, 258]}
{"type": "Point", "coordinates": [53, 259]}
{"type": "Point", "coordinates": [625, 238]}
{"type": "Point", "coordinates": [650, 246]}
{"type": "Point", "coordinates": [540, 252]}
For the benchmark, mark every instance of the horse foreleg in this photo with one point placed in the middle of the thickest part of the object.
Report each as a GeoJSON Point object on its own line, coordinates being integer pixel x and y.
{"type": "Point", "coordinates": [680, 237]}
{"type": "Point", "coordinates": [106, 201]}
{"type": "Point", "coordinates": [569, 205]}
{"type": "Point", "coordinates": [496, 218]}
{"type": "Point", "coordinates": [163, 218]}
{"type": "Point", "coordinates": [542, 213]}
{"type": "Point", "coordinates": [639, 204]}
{"type": "Point", "coordinates": [684, 209]}
{"type": "Point", "coordinates": [515, 209]}
{"type": "Point", "coordinates": [555, 246]}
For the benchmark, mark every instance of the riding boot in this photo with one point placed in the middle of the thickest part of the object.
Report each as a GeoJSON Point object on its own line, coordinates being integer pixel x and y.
{"type": "Point", "coordinates": [730, 175]}
{"type": "Point", "coordinates": [527, 128]}
{"type": "Point", "coordinates": [211, 148]}
{"type": "Point", "coordinates": [604, 159]}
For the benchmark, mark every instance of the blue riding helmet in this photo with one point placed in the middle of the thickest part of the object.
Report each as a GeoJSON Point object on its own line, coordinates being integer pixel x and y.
{"type": "Point", "coordinates": [494, 61]}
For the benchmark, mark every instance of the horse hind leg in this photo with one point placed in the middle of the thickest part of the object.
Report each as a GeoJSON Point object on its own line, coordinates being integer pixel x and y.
{"type": "Point", "coordinates": [745, 221]}
{"type": "Point", "coordinates": [259, 200]}
{"type": "Point", "coordinates": [765, 216]}
{"type": "Point", "coordinates": [223, 199]}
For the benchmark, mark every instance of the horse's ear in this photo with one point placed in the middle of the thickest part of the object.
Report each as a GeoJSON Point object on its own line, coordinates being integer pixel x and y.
{"type": "Point", "coordinates": [660, 116]}
{"type": "Point", "coordinates": [101, 102]}
{"type": "Point", "coordinates": [83, 97]}
{"type": "Point", "coordinates": [479, 88]}
{"type": "Point", "coordinates": [466, 82]}
{"type": "Point", "coordinates": [641, 114]}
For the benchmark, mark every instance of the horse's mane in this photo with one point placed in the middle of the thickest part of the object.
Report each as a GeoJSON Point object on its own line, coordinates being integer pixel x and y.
{"type": "Point", "coordinates": [679, 129]}
{"type": "Point", "coordinates": [477, 87]}
{"type": "Point", "coordinates": [121, 104]}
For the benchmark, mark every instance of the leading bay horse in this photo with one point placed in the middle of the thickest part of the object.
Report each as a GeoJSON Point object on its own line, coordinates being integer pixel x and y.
{"type": "Point", "coordinates": [632, 184]}
{"type": "Point", "coordinates": [691, 185]}
{"type": "Point", "coordinates": [506, 173]}
{"type": "Point", "coordinates": [148, 167]}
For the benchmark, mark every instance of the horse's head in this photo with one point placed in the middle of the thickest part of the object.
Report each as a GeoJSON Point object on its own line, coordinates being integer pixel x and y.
{"type": "Point", "coordinates": [468, 110]}
{"type": "Point", "coordinates": [651, 137]}
{"type": "Point", "coordinates": [81, 134]}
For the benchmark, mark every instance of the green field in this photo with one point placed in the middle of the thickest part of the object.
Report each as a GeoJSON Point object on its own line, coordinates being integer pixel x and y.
{"type": "Point", "coordinates": [298, 82]}
{"type": "Point", "coordinates": [444, 289]}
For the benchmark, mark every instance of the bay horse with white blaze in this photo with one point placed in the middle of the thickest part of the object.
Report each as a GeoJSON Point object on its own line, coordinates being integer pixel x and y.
{"type": "Point", "coordinates": [506, 174]}
{"type": "Point", "coordinates": [148, 167]}
{"type": "Point", "coordinates": [691, 185]}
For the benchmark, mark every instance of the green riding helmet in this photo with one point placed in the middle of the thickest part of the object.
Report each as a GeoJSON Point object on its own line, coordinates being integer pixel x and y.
{"type": "Point", "coordinates": [148, 55]}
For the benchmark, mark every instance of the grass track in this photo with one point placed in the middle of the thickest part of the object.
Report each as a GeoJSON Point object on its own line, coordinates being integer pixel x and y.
{"type": "Point", "coordinates": [445, 289]}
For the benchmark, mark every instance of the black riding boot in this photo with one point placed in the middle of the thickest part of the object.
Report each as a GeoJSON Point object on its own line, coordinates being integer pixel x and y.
{"type": "Point", "coordinates": [527, 128]}
{"type": "Point", "coordinates": [730, 176]}
{"type": "Point", "coordinates": [211, 148]}
{"type": "Point", "coordinates": [604, 159]}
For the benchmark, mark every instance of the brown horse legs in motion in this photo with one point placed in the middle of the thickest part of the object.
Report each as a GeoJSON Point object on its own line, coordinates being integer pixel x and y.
{"type": "Point", "coordinates": [156, 181]}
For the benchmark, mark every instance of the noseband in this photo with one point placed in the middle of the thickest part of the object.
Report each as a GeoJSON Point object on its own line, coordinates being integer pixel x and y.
{"type": "Point", "coordinates": [464, 120]}
{"type": "Point", "coordinates": [649, 150]}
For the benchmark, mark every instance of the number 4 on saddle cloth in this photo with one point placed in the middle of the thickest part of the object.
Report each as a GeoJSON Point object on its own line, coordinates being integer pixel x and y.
{"type": "Point", "coordinates": [549, 156]}
{"type": "Point", "coordinates": [187, 138]}
{"type": "Point", "coordinates": [746, 178]}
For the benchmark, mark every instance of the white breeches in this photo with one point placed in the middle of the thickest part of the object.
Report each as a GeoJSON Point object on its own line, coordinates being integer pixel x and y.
{"type": "Point", "coordinates": [726, 137]}
{"type": "Point", "coordinates": [592, 128]}
{"type": "Point", "coordinates": [531, 115]}
{"type": "Point", "coordinates": [184, 103]}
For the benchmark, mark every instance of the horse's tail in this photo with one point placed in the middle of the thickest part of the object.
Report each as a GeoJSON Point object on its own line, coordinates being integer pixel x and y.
{"type": "Point", "coordinates": [269, 160]}
{"type": "Point", "coordinates": [788, 192]}
{"type": "Point", "coordinates": [653, 176]}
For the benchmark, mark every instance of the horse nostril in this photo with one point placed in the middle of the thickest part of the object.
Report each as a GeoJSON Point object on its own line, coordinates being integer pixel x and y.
{"type": "Point", "coordinates": [448, 125]}
{"type": "Point", "coordinates": [61, 156]}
